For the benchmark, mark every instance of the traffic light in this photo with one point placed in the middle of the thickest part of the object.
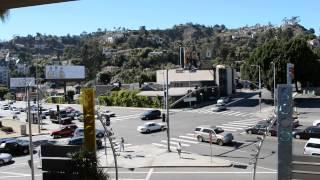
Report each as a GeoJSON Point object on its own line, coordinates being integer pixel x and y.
{"type": "Point", "coordinates": [163, 117]}
{"type": "Point", "coordinates": [291, 71]}
{"type": "Point", "coordinates": [108, 121]}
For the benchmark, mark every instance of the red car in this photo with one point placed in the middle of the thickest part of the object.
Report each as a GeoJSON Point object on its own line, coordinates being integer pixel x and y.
{"type": "Point", "coordinates": [64, 131]}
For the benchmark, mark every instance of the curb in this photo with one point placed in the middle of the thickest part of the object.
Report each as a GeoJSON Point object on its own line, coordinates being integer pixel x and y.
{"type": "Point", "coordinates": [219, 166]}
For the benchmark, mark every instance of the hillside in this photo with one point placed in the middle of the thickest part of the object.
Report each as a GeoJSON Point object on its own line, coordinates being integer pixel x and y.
{"type": "Point", "coordinates": [133, 55]}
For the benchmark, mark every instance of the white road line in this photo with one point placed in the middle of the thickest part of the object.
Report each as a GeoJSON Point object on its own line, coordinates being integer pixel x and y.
{"type": "Point", "coordinates": [149, 174]}
{"type": "Point", "coordinates": [223, 112]}
{"type": "Point", "coordinates": [233, 125]}
{"type": "Point", "coordinates": [231, 130]}
{"type": "Point", "coordinates": [240, 114]}
{"type": "Point", "coordinates": [157, 144]}
{"type": "Point", "coordinates": [197, 172]}
{"type": "Point", "coordinates": [228, 127]}
{"type": "Point", "coordinates": [187, 137]}
{"type": "Point", "coordinates": [186, 145]}
{"type": "Point", "coordinates": [248, 120]}
{"type": "Point", "coordinates": [190, 134]}
{"type": "Point", "coordinates": [14, 173]}
{"type": "Point", "coordinates": [233, 113]}
{"type": "Point", "coordinates": [248, 124]}
{"type": "Point", "coordinates": [186, 141]}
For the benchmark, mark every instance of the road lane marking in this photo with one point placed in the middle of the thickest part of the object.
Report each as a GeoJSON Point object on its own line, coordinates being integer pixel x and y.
{"type": "Point", "coordinates": [157, 144]}
{"type": "Point", "coordinates": [229, 127]}
{"type": "Point", "coordinates": [247, 124]}
{"type": "Point", "coordinates": [186, 141]}
{"type": "Point", "coordinates": [251, 120]}
{"type": "Point", "coordinates": [190, 134]}
{"type": "Point", "coordinates": [185, 145]}
{"type": "Point", "coordinates": [196, 172]}
{"type": "Point", "coordinates": [149, 174]}
{"type": "Point", "coordinates": [231, 130]}
{"type": "Point", "coordinates": [233, 125]}
{"type": "Point", "coordinates": [187, 137]}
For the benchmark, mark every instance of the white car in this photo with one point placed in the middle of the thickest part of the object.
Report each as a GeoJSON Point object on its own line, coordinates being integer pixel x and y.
{"type": "Point", "coordinates": [151, 126]}
{"type": "Point", "coordinates": [312, 147]}
{"type": "Point", "coordinates": [219, 107]}
{"type": "Point", "coordinates": [316, 123]}
{"type": "Point", "coordinates": [5, 158]}
{"type": "Point", "coordinates": [223, 100]}
{"type": "Point", "coordinates": [108, 113]}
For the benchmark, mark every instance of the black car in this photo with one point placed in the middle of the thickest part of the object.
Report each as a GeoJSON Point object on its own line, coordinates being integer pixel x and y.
{"type": "Point", "coordinates": [260, 128]}
{"type": "Point", "coordinates": [80, 140]}
{"type": "Point", "coordinates": [15, 147]}
{"type": "Point", "coordinates": [309, 132]}
{"type": "Point", "coordinates": [3, 140]}
{"type": "Point", "coordinates": [151, 114]}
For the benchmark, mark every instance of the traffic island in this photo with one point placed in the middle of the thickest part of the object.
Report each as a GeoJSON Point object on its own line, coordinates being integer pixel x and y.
{"type": "Point", "coordinates": [147, 156]}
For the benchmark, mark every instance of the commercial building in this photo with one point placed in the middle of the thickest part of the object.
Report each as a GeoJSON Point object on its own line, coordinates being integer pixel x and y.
{"type": "Point", "coordinates": [4, 73]}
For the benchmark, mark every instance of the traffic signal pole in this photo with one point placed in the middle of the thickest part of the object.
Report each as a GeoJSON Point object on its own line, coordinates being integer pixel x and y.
{"type": "Point", "coordinates": [167, 107]}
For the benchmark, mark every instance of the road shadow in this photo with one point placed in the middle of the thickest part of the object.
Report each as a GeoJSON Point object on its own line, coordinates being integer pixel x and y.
{"type": "Point", "coordinates": [188, 158]}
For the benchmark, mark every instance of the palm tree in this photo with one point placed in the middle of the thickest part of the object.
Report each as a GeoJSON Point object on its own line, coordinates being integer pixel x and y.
{"type": "Point", "coordinates": [4, 13]}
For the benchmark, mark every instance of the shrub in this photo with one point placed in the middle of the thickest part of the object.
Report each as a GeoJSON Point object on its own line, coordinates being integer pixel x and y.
{"type": "Point", "coordinates": [7, 129]}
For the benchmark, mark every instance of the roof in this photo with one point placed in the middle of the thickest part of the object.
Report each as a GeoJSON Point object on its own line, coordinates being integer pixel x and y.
{"type": "Point", "coordinates": [9, 4]}
{"type": "Point", "coordinates": [179, 91]}
{"type": "Point", "coordinates": [314, 140]}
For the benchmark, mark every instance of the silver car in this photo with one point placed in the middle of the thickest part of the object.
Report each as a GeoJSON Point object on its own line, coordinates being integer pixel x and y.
{"type": "Point", "coordinates": [5, 158]}
{"type": "Point", "coordinates": [218, 135]}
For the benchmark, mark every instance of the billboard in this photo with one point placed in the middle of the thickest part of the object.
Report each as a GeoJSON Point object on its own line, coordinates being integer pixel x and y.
{"type": "Point", "coordinates": [57, 72]}
{"type": "Point", "coordinates": [22, 82]}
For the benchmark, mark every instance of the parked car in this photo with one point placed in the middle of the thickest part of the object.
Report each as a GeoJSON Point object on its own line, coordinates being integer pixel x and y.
{"type": "Point", "coordinates": [260, 128]}
{"type": "Point", "coordinates": [80, 132]}
{"type": "Point", "coordinates": [312, 147]}
{"type": "Point", "coordinates": [151, 126]}
{"type": "Point", "coordinates": [219, 137]}
{"type": "Point", "coordinates": [15, 147]}
{"type": "Point", "coordinates": [5, 158]}
{"type": "Point", "coordinates": [309, 132]}
{"type": "Point", "coordinates": [64, 131]}
{"type": "Point", "coordinates": [151, 114]}
{"type": "Point", "coordinates": [108, 113]}
{"type": "Point", "coordinates": [316, 123]}
{"type": "Point", "coordinates": [79, 141]}
{"type": "Point", "coordinates": [219, 107]}
{"type": "Point", "coordinates": [3, 140]}
{"type": "Point", "coordinates": [223, 100]}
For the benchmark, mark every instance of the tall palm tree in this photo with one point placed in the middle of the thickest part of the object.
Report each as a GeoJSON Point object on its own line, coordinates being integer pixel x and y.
{"type": "Point", "coordinates": [4, 13]}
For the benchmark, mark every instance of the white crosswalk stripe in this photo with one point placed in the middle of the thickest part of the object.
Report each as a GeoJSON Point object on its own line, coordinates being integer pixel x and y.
{"type": "Point", "coordinates": [228, 127]}
{"type": "Point", "coordinates": [234, 125]}
{"type": "Point", "coordinates": [187, 137]}
{"type": "Point", "coordinates": [175, 143]}
{"type": "Point", "coordinates": [186, 141]}
{"type": "Point", "coordinates": [120, 118]}
{"type": "Point", "coordinates": [228, 112]}
{"type": "Point", "coordinates": [160, 145]}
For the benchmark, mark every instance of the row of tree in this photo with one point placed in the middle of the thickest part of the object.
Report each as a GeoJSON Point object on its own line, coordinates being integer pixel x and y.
{"type": "Point", "coordinates": [280, 52]}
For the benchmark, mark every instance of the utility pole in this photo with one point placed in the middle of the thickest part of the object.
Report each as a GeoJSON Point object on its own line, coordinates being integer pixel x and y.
{"type": "Point", "coordinates": [274, 84]}
{"type": "Point", "coordinates": [259, 85]}
{"type": "Point", "coordinates": [167, 106]}
{"type": "Point", "coordinates": [30, 135]}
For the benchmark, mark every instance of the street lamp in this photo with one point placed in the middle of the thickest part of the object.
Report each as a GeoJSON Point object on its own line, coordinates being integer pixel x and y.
{"type": "Point", "coordinates": [274, 84]}
{"type": "Point", "coordinates": [259, 84]}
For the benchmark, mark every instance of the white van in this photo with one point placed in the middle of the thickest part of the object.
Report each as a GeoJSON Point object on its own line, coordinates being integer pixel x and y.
{"type": "Point", "coordinates": [312, 147]}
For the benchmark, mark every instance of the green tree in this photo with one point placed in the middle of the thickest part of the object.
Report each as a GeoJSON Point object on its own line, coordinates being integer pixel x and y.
{"type": "Point", "coordinates": [3, 91]}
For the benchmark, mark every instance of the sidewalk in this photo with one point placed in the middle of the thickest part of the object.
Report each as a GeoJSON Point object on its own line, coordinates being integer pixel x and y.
{"type": "Point", "coordinates": [146, 156]}
{"type": "Point", "coordinates": [15, 124]}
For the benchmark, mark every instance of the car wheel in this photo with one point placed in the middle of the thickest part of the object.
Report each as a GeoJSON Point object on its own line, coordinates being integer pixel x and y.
{"type": "Point", "coordinates": [318, 124]}
{"type": "Point", "coordinates": [1, 162]}
{"type": "Point", "coordinates": [100, 135]}
{"type": "Point", "coordinates": [148, 131]}
{"type": "Point", "coordinates": [200, 139]}
{"type": "Point", "coordinates": [162, 128]}
{"type": "Point", "coordinates": [269, 134]}
{"type": "Point", "coordinates": [220, 142]}
{"type": "Point", "coordinates": [297, 136]}
{"type": "Point", "coordinates": [249, 132]}
{"type": "Point", "coordinates": [26, 151]}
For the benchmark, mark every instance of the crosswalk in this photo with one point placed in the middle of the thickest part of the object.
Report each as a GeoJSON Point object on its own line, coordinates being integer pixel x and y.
{"type": "Point", "coordinates": [239, 125]}
{"type": "Point", "coordinates": [225, 113]}
{"type": "Point", "coordinates": [186, 140]}
{"type": "Point", "coordinates": [121, 118]}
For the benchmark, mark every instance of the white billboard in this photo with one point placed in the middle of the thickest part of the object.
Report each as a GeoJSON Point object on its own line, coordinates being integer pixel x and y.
{"type": "Point", "coordinates": [22, 82]}
{"type": "Point", "coordinates": [55, 72]}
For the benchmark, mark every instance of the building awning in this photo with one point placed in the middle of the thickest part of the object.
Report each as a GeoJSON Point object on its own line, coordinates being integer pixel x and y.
{"type": "Point", "coordinates": [9, 4]}
{"type": "Point", "coordinates": [181, 91]}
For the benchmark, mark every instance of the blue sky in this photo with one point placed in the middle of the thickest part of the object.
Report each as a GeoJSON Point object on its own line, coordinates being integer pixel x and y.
{"type": "Point", "coordinates": [89, 15]}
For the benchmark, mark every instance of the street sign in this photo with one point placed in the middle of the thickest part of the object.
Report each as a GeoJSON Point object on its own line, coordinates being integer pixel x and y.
{"type": "Point", "coordinates": [190, 99]}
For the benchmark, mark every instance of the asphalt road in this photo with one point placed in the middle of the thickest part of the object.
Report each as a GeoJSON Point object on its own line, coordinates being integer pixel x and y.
{"type": "Point", "coordinates": [239, 115]}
